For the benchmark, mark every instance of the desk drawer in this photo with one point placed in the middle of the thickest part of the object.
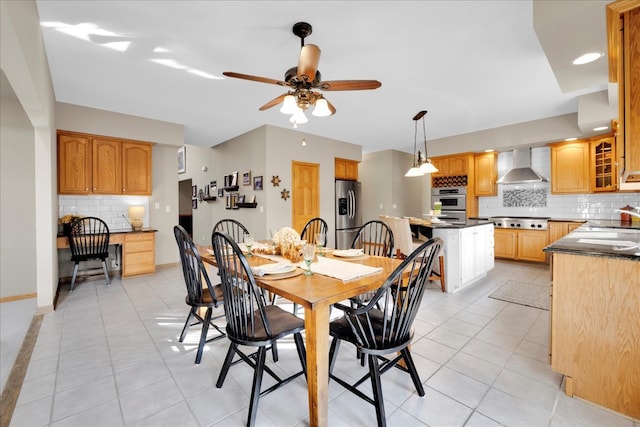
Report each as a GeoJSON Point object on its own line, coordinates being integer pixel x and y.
{"type": "Point", "coordinates": [139, 263]}
{"type": "Point", "coordinates": [139, 246]}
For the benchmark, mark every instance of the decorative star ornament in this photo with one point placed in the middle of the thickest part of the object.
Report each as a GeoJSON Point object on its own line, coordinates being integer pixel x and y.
{"type": "Point", "coordinates": [284, 194]}
{"type": "Point", "coordinates": [275, 181]}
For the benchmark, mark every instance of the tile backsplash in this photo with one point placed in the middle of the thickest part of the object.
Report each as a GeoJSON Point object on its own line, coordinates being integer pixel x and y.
{"type": "Point", "coordinates": [108, 208]}
{"type": "Point", "coordinates": [536, 199]}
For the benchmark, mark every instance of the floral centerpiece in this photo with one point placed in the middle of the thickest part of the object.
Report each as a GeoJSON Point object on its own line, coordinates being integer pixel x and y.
{"type": "Point", "coordinates": [287, 240]}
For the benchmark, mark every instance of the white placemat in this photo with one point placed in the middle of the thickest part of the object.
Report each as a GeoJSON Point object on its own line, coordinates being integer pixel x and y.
{"type": "Point", "coordinates": [341, 270]}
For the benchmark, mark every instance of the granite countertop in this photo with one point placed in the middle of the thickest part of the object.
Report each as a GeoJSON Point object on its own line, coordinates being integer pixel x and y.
{"type": "Point", "coordinates": [601, 238]}
{"type": "Point", "coordinates": [467, 223]}
{"type": "Point", "coordinates": [123, 230]}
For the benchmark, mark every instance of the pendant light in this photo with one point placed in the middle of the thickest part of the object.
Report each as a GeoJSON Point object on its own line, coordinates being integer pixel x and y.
{"type": "Point", "coordinates": [420, 167]}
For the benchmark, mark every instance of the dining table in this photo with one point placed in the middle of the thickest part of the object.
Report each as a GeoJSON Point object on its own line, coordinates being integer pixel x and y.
{"type": "Point", "coordinates": [316, 293]}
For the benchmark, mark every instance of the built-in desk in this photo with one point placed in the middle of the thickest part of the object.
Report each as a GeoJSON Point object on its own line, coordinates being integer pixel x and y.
{"type": "Point", "coordinates": [138, 250]}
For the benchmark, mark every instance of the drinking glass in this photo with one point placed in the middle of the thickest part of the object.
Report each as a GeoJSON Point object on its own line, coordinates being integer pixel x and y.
{"type": "Point", "coordinates": [320, 241]}
{"type": "Point", "coordinates": [248, 241]}
{"type": "Point", "coordinates": [308, 253]}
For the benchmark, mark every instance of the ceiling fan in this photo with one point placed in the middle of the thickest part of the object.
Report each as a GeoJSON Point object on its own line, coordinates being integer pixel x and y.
{"type": "Point", "coordinates": [302, 79]}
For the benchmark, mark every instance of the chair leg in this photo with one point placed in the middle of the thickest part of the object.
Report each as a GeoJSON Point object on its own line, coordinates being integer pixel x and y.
{"type": "Point", "coordinates": [106, 272]}
{"type": "Point", "coordinates": [73, 276]}
{"type": "Point", "coordinates": [442, 284]}
{"type": "Point", "coordinates": [186, 324]}
{"type": "Point", "coordinates": [255, 389]}
{"type": "Point", "coordinates": [302, 353]}
{"type": "Point", "coordinates": [203, 334]}
{"type": "Point", "coordinates": [408, 361]}
{"type": "Point", "coordinates": [333, 352]}
{"type": "Point", "coordinates": [376, 386]}
{"type": "Point", "coordinates": [226, 365]}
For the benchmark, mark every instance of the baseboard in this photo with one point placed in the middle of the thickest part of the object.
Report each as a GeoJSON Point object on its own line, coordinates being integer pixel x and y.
{"type": "Point", "coordinates": [18, 297]}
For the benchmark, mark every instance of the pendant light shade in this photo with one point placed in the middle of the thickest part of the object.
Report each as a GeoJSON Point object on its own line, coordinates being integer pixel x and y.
{"type": "Point", "coordinates": [298, 117]}
{"type": "Point", "coordinates": [420, 167]}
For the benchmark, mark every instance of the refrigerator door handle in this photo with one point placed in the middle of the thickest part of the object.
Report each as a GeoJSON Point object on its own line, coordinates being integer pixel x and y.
{"type": "Point", "coordinates": [352, 203]}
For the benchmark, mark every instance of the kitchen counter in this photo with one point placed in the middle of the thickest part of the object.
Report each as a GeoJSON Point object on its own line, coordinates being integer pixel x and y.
{"type": "Point", "coordinates": [445, 224]}
{"type": "Point", "coordinates": [601, 238]}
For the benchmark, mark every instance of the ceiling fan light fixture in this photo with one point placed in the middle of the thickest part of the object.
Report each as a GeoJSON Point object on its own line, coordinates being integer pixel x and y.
{"type": "Point", "coordinates": [322, 108]}
{"type": "Point", "coordinates": [298, 118]}
{"type": "Point", "coordinates": [289, 105]}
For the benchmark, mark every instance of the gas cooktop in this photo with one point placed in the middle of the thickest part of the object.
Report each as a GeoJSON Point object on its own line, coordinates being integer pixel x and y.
{"type": "Point", "coordinates": [520, 222]}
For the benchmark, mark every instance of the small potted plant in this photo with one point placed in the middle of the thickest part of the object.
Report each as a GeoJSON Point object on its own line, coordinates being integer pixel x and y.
{"type": "Point", "coordinates": [64, 223]}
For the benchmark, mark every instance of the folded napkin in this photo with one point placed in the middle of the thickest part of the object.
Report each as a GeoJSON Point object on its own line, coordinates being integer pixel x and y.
{"type": "Point", "coordinates": [341, 270]}
{"type": "Point", "coordinates": [276, 268]}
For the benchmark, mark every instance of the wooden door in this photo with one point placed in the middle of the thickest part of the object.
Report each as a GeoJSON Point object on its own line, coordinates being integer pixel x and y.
{"type": "Point", "coordinates": [305, 193]}
{"type": "Point", "coordinates": [136, 169]}
{"type": "Point", "coordinates": [74, 164]}
{"type": "Point", "coordinates": [107, 166]}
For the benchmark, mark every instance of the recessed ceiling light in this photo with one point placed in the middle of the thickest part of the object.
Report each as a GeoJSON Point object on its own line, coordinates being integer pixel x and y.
{"type": "Point", "coordinates": [570, 139]}
{"type": "Point", "coordinates": [489, 151]}
{"type": "Point", "coordinates": [601, 128]}
{"type": "Point", "coordinates": [587, 57]}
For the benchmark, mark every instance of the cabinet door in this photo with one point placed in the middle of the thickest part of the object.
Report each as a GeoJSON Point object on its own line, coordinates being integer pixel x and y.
{"type": "Point", "coordinates": [107, 166]}
{"type": "Point", "coordinates": [486, 174]}
{"type": "Point", "coordinates": [570, 168]}
{"type": "Point", "coordinates": [504, 241]}
{"type": "Point", "coordinates": [556, 230]}
{"type": "Point", "coordinates": [573, 225]}
{"type": "Point", "coordinates": [442, 164]}
{"type": "Point", "coordinates": [352, 170]}
{"type": "Point", "coordinates": [136, 169]}
{"type": "Point", "coordinates": [603, 165]}
{"type": "Point", "coordinates": [531, 244]}
{"type": "Point", "coordinates": [468, 254]}
{"type": "Point", "coordinates": [346, 169]}
{"type": "Point", "coordinates": [458, 165]}
{"type": "Point", "coordinates": [74, 164]}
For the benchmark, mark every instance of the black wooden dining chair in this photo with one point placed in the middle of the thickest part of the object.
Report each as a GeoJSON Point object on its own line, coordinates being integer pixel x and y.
{"type": "Point", "coordinates": [88, 240]}
{"type": "Point", "coordinates": [250, 321]}
{"type": "Point", "coordinates": [387, 330]}
{"type": "Point", "coordinates": [313, 227]}
{"type": "Point", "coordinates": [233, 228]}
{"type": "Point", "coordinates": [198, 296]}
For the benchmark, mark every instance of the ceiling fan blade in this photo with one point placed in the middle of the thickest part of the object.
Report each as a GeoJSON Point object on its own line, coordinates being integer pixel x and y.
{"type": "Point", "coordinates": [273, 102]}
{"type": "Point", "coordinates": [255, 78]}
{"type": "Point", "coordinates": [349, 85]}
{"type": "Point", "coordinates": [308, 62]}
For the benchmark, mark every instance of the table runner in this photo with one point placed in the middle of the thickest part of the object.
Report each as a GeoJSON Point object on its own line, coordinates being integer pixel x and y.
{"type": "Point", "coordinates": [341, 270]}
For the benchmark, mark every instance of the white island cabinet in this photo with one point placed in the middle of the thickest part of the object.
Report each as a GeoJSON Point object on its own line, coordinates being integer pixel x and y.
{"type": "Point", "coordinates": [468, 254]}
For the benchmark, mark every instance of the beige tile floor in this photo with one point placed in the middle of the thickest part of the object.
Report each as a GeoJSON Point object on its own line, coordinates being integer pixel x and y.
{"type": "Point", "coordinates": [110, 356]}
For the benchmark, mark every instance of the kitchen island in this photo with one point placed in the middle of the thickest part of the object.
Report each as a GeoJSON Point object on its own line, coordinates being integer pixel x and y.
{"type": "Point", "coordinates": [595, 314]}
{"type": "Point", "coordinates": [468, 251]}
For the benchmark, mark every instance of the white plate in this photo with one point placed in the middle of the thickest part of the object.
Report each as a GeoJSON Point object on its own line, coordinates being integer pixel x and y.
{"type": "Point", "coordinates": [348, 253]}
{"type": "Point", "coordinates": [279, 268]}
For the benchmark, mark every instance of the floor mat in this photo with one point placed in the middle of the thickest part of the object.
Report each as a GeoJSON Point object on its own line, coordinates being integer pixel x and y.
{"type": "Point", "coordinates": [529, 294]}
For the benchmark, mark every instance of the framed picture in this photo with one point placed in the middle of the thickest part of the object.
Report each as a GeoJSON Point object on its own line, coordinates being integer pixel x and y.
{"type": "Point", "coordinates": [206, 191]}
{"type": "Point", "coordinates": [234, 179]}
{"type": "Point", "coordinates": [257, 183]}
{"type": "Point", "coordinates": [213, 188]}
{"type": "Point", "coordinates": [220, 192]}
{"type": "Point", "coordinates": [194, 203]}
{"type": "Point", "coordinates": [194, 191]}
{"type": "Point", "coordinates": [228, 202]}
{"type": "Point", "coordinates": [246, 178]}
{"type": "Point", "coordinates": [241, 199]}
{"type": "Point", "coordinates": [182, 159]}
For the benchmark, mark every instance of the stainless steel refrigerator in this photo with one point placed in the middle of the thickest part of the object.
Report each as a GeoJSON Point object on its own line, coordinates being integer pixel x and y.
{"type": "Point", "coordinates": [348, 212]}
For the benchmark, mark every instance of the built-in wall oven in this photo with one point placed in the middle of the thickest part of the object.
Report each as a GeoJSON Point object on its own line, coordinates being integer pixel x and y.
{"type": "Point", "coordinates": [454, 202]}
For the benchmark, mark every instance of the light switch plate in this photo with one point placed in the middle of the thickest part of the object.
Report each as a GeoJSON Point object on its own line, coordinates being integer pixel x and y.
{"type": "Point", "coordinates": [167, 208]}
{"type": "Point", "coordinates": [156, 205]}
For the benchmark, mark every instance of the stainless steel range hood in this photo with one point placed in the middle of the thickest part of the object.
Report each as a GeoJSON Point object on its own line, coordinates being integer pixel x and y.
{"type": "Point", "coordinates": [521, 171]}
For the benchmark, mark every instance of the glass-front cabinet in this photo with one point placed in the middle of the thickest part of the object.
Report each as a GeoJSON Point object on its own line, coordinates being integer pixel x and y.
{"type": "Point", "coordinates": [603, 164]}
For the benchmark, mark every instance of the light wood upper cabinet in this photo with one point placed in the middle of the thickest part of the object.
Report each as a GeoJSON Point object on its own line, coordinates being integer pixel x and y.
{"type": "Point", "coordinates": [74, 164]}
{"type": "Point", "coordinates": [603, 164]}
{"type": "Point", "coordinates": [136, 168]}
{"type": "Point", "coordinates": [92, 164]}
{"type": "Point", "coordinates": [451, 165]}
{"type": "Point", "coordinates": [486, 174]}
{"type": "Point", "coordinates": [346, 169]}
{"type": "Point", "coordinates": [623, 34]}
{"type": "Point", "coordinates": [570, 168]}
{"type": "Point", "coordinates": [107, 166]}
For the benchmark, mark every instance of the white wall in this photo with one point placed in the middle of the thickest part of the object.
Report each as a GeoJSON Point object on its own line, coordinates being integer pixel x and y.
{"type": "Point", "coordinates": [18, 207]}
{"type": "Point", "coordinates": [24, 63]}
